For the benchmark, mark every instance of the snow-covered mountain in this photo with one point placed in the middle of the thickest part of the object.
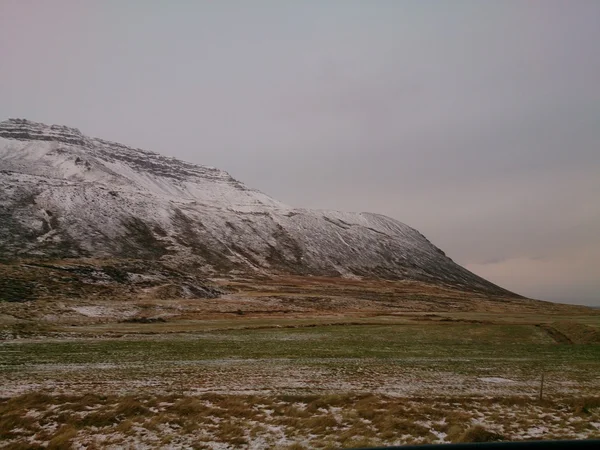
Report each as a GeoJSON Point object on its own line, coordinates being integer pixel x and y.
{"type": "Point", "coordinates": [63, 194]}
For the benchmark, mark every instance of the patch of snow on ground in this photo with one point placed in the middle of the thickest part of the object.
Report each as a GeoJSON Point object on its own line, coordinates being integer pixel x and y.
{"type": "Point", "coordinates": [93, 311]}
{"type": "Point", "coordinates": [536, 432]}
{"type": "Point", "coordinates": [495, 380]}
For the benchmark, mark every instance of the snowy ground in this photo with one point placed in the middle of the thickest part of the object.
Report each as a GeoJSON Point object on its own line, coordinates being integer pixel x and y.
{"type": "Point", "coordinates": [306, 387]}
{"type": "Point", "coordinates": [288, 421]}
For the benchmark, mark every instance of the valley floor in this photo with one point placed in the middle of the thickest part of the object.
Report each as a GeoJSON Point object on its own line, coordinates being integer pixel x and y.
{"type": "Point", "coordinates": [277, 368]}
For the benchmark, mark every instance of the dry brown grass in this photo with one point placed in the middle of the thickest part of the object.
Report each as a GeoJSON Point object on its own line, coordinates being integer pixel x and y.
{"type": "Point", "coordinates": [13, 416]}
{"type": "Point", "coordinates": [478, 433]}
{"type": "Point", "coordinates": [212, 397]}
{"type": "Point", "coordinates": [130, 406]}
{"type": "Point", "coordinates": [62, 438]}
{"type": "Point", "coordinates": [232, 433]}
{"type": "Point", "coordinates": [125, 426]}
{"type": "Point", "coordinates": [359, 442]}
{"type": "Point", "coordinates": [368, 407]}
{"type": "Point", "coordinates": [358, 430]}
{"type": "Point", "coordinates": [455, 431]}
{"type": "Point", "coordinates": [237, 407]}
{"type": "Point", "coordinates": [585, 405]}
{"type": "Point", "coordinates": [272, 297]}
{"type": "Point", "coordinates": [292, 411]}
{"type": "Point", "coordinates": [329, 400]}
{"type": "Point", "coordinates": [342, 420]}
{"type": "Point", "coordinates": [22, 446]}
{"type": "Point", "coordinates": [298, 398]}
{"type": "Point", "coordinates": [191, 407]}
{"type": "Point", "coordinates": [319, 424]}
{"type": "Point", "coordinates": [296, 446]}
{"type": "Point", "coordinates": [577, 333]}
{"type": "Point", "coordinates": [391, 425]}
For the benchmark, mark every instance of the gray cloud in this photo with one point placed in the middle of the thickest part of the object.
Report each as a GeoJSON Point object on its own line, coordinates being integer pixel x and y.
{"type": "Point", "coordinates": [476, 122]}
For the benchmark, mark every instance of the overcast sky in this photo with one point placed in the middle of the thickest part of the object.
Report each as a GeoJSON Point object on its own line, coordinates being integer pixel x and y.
{"type": "Point", "coordinates": [476, 122]}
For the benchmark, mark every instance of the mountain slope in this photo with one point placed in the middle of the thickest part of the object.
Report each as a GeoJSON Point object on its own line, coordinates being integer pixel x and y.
{"type": "Point", "coordinates": [63, 194]}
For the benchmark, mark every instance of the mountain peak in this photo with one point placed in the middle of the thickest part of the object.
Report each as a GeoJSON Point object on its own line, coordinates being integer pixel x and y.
{"type": "Point", "coordinates": [24, 129]}
{"type": "Point", "coordinates": [63, 153]}
{"type": "Point", "coordinates": [75, 147]}
{"type": "Point", "coordinates": [64, 194]}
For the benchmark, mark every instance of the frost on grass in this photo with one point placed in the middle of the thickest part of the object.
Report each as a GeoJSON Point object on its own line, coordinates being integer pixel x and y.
{"type": "Point", "coordinates": [287, 421]}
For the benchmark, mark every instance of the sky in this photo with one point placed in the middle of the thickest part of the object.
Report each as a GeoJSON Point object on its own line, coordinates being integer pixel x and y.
{"type": "Point", "coordinates": [478, 123]}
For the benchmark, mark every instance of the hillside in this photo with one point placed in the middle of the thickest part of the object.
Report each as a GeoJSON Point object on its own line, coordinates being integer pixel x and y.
{"type": "Point", "coordinates": [66, 195]}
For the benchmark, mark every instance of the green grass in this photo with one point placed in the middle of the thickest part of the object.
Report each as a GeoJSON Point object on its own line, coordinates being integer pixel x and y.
{"type": "Point", "coordinates": [342, 385]}
{"type": "Point", "coordinates": [461, 348]}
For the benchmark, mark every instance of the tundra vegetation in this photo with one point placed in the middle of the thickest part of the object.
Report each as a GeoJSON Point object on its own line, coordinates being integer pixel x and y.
{"type": "Point", "coordinates": [284, 362]}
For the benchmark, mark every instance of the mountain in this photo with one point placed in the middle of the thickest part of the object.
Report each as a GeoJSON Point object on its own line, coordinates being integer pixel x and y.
{"type": "Point", "coordinates": [66, 195]}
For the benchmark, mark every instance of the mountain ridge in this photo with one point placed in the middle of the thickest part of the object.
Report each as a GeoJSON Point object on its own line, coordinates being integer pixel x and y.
{"type": "Point", "coordinates": [69, 195]}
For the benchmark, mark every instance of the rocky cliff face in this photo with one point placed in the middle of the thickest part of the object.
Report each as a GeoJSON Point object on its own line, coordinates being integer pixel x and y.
{"type": "Point", "coordinates": [63, 194]}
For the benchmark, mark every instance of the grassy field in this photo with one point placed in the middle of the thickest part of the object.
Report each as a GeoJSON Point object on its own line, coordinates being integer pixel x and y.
{"type": "Point", "coordinates": [283, 362]}
{"type": "Point", "coordinates": [384, 380]}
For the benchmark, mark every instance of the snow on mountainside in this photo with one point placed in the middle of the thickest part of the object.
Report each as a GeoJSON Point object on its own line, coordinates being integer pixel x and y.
{"type": "Point", "coordinates": [63, 194]}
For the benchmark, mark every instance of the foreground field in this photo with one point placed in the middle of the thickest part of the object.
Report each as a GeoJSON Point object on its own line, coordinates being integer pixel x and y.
{"type": "Point", "coordinates": [285, 421]}
{"type": "Point", "coordinates": [124, 355]}
{"type": "Point", "coordinates": [376, 381]}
